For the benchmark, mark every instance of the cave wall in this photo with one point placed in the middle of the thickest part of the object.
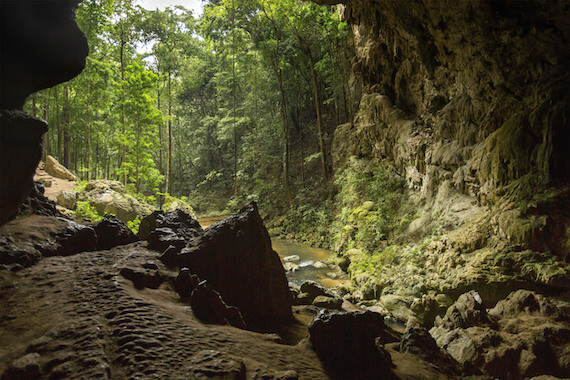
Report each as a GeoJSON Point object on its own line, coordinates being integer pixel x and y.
{"type": "Point", "coordinates": [40, 46]}
{"type": "Point", "coordinates": [470, 102]}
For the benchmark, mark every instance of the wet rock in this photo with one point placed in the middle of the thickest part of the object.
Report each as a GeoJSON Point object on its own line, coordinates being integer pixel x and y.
{"type": "Point", "coordinates": [236, 258]}
{"type": "Point", "coordinates": [144, 278]}
{"type": "Point", "coordinates": [350, 344]}
{"type": "Point", "coordinates": [210, 364]}
{"type": "Point", "coordinates": [328, 302]}
{"type": "Point", "coordinates": [209, 307]}
{"type": "Point", "coordinates": [26, 367]}
{"type": "Point", "coordinates": [291, 258]}
{"type": "Point", "coordinates": [55, 169]}
{"type": "Point", "coordinates": [185, 284]}
{"type": "Point", "coordinates": [160, 239]}
{"type": "Point", "coordinates": [67, 199]}
{"type": "Point", "coordinates": [22, 255]}
{"type": "Point", "coordinates": [111, 232]}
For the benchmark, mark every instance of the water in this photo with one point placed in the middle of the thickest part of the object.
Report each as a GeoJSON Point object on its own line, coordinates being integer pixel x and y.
{"type": "Point", "coordinates": [301, 262]}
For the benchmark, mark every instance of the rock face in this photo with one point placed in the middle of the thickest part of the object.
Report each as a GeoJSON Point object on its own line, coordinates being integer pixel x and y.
{"type": "Point", "coordinates": [55, 169]}
{"type": "Point", "coordinates": [523, 336]}
{"type": "Point", "coordinates": [28, 238]}
{"type": "Point", "coordinates": [350, 344]}
{"type": "Point", "coordinates": [109, 197]}
{"type": "Point", "coordinates": [468, 101]}
{"type": "Point", "coordinates": [41, 46]}
{"type": "Point", "coordinates": [236, 258]}
{"type": "Point", "coordinates": [111, 232]}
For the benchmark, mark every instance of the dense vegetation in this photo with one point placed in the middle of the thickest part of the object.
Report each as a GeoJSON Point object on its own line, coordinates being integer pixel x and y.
{"type": "Point", "coordinates": [240, 104]}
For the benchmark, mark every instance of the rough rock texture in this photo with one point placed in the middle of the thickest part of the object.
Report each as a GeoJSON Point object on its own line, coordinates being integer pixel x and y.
{"type": "Point", "coordinates": [469, 102]}
{"type": "Point", "coordinates": [55, 169]}
{"type": "Point", "coordinates": [28, 238]}
{"type": "Point", "coordinates": [523, 336]}
{"type": "Point", "coordinates": [41, 46]}
{"type": "Point", "coordinates": [67, 199]}
{"type": "Point", "coordinates": [20, 152]}
{"type": "Point", "coordinates": [179, 221]}
{"type": "Point", "coordinates": [111, 232]}
{"type": "Point", "coordinates": [350, 344]}
{"type": "Point", "coordinates": [109, 197]}
{"type": "Point", "coordinates": [236, 258]}
{"type": "Point", "coordinates": [208, 306]}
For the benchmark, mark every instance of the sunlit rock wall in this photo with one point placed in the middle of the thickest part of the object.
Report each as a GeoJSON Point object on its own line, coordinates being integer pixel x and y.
{"type": "Point", "coordinates": [470, 101]}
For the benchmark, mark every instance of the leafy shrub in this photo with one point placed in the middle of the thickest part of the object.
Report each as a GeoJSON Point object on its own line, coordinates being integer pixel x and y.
{"type": "Point", "coordinates": [84, 210]}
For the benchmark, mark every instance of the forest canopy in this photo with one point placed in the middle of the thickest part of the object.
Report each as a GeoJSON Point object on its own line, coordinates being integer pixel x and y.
{"type": "Point", "coordinates": [238, 104]}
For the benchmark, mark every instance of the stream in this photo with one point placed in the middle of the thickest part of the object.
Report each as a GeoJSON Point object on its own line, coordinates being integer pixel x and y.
{"type": "Point", "coordinates": [301, 262]}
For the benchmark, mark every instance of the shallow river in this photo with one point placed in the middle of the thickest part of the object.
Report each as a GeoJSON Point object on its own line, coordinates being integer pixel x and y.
{"type": "Point", "coordinates": [301, 261]}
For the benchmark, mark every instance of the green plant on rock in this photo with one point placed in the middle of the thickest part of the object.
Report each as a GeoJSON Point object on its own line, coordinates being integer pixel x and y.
{"type": "Point", "coordinates": [84, 210]}
{"type": "Point", "coordinates": [135, 224]}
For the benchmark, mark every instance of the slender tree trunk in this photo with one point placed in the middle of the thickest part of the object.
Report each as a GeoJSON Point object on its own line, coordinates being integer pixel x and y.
{"type": "Point", "coordinates": [59, 124]}
{"type": "Point", "coordinates": [286, 158]}
{"type": "Point", "coordinates": [46, 144]}
{"type": "Point", "coordinates": [169, 131]}
{"type": "Point", "coordinates": [124, 127]}
{"type": "Point", "coordinates": [234, 101]}
{"type": "Point", "coordinates": [66, 134]}
{"type": "Point", "coordinates": [87, 136]}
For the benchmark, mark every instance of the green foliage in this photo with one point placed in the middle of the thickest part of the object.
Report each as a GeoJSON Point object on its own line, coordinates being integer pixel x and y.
{"type": "Point", "coordinates": [84, 210]}
{"type": "Point", "coordinates": [135, 224]}
{"type": "Point", "coordinates": [368, 201]}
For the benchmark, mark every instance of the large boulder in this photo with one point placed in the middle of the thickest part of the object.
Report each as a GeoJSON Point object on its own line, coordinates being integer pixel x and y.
{"type": "Point", "coordinates": [111, 232]}
{"type": "Point", "coordinates": [350, 344]}
{"type": "Point", "coordinates": [67, 199]}
{"type": "Point", "coordinates": [109, 197]}
{"type": "Point", "coordinates": [55, 169]}
{"type": "Point", "coordinates": [236, 258]}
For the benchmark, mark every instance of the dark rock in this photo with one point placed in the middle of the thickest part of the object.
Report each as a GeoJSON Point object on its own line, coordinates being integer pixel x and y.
{"type": "Point", "coordinates": [150, 265]}
{"type": "Point", "coordinates": [162, 238]}
{"type": "Point", "coordinates": [38, 204]}
{"type": "Point", "coordinates": [142, 278]}
{"type": "Point", "coordinates": [349, 344]}
{"type": "Point", "coordinates": [41, 46]}
{"type": "Point", "coordinates": [74, 238]}
{"type": "Point", "coordinates": [418, 341]}
{"type": "Point", "coordinates": [178, 221]}
{"type": "Point", "coordinates": [26, 367]}
{"type": "Point", "coordinates": [185, 284]}
{"type": "Point", "coordinates": [208, 306]}
{"type": "Point", "coordinates": [236, 258]}
{"type": "Point", "coordinates": [170, 256]}
{"type": "Point", "coordinates": [111, 232]}
{"type": "Point", "coordinates": [304, 299]}
{"type": "Point", "coordinates": [328, 302]}
{"type": "Point", "coordinates": [344, 263]}
{"type": "Point", "coordinates": [24, 255]}
{"type": "Point", "coordinates": [210, 364]}
{"type": "Point", "coordinates": [20, 153]}
{"type": "Point", "coordinates": [314, 290]}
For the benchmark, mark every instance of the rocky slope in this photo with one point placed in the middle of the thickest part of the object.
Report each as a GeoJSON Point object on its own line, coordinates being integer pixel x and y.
{"type": "Point", "coordinates": [469, 102]}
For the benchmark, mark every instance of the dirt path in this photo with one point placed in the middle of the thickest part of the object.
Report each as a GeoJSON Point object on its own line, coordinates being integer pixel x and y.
{"type": "Point", "coordinates": [57, 184]}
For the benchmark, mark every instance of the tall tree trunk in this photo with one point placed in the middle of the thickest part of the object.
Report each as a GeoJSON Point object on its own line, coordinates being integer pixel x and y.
{"type": "Point", "coordinates": [87, 136]}
{"type": "Point", "coordinates": [286, 158]}
{"type": "Point", "coordinates": [59, 124]}
{"type": "Point", "coordinates": [124, 127]}
{"type": "Point", "coordinates": [234, 101]}
{"type": "Point", "coordinates": [319, 122]}
{"type": "Point", "coordinates": [169, 131]}
{"type": "Point", "coordinates": [46, 145]}
{"type": "Point", "coordinates": [66, 132]}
